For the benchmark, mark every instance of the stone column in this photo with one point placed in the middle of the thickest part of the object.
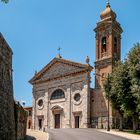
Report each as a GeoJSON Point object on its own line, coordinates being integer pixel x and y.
{"type": "Point", "coordinates": [86, 107]}
{"type": "Point", "coordinates": [33, 111]}
{"type": "Point", "coordinates": [46, 110]}
{"type": "Point", "coordinates": [68, 107]}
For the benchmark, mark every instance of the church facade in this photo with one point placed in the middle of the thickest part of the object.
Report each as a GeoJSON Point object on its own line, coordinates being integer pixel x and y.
{"type": "Point", "coordinates": [62, 97]}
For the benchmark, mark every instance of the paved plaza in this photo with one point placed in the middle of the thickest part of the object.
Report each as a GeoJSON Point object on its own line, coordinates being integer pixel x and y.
{"type": "Point", "coordinates": [36, 135]}
{"type": "Point", "coordinates": [81, 134]}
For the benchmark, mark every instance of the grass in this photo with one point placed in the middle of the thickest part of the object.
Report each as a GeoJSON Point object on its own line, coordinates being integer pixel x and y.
{"type": "Point", "coordinates": [132, 132]}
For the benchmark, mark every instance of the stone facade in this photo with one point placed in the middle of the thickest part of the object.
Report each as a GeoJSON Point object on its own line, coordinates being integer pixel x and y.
{"type": "Point", "coordinates": [108, 46]}
{"type": "Point", "coordinates": [7, 120]}
{"type": "Point", "coordinates": [67, 112]}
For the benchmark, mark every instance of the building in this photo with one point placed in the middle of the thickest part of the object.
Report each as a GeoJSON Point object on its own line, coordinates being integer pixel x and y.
{"type": "Point", "coordinates": [62, 97]}
{"type": "Point", "coordinates": [20, 121]}
{"type": "Point", "coordinates": [29, 118]}
{"type": "Point", "coordinates": [12, 115]}
{"type": "Point", "coordinates": [108, 47]}
{"type": "Point", "coordinates": [7, 119]}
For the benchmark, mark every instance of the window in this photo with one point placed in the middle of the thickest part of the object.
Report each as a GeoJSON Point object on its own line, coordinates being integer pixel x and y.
{"type": "Point", "coordinates": [115, 44]}
{"type": "Point", "coordinates": [30, 113]}
{"type": "Point", "coordinates": [40, 102]}
{"type": "Point", "coordinates": [77, 97]}
{"type": "Point", "coordinates": [115, 41]}
{"type": "Point", "coordinates": [57, 94]}
{"type": "Point", "coordinates": [103, 44]}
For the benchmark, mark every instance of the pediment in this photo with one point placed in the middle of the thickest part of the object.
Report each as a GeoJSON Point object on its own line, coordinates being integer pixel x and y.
{"type": "Point", "coordinates": [59, 67]}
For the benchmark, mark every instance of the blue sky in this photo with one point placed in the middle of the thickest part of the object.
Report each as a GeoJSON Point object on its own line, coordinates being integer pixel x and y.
{"type": "Point", "coordinates": [35, 29]}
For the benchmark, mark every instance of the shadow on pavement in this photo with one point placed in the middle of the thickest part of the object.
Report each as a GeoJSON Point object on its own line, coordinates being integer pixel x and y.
{"type": "Point", "coordinates": [29, 138]}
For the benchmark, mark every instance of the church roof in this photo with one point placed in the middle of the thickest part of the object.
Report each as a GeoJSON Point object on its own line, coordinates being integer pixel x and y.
{"type": "Point", "coordinates": [59, 67]}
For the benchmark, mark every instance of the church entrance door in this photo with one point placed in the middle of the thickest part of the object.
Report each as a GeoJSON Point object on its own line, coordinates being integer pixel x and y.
{"type": "Point", "coordinates": [57, 120]}
{"type": "Point", "coordinates": [76, 121]}
{"type": "Point", "coordinates": [40, 124]}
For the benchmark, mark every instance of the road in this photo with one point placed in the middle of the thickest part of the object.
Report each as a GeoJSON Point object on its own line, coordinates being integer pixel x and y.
{"type": "Point", "coordinates": [80, 134]}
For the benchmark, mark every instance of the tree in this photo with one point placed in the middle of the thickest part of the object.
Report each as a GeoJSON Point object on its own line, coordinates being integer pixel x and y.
{"type": "Point", "coordinates": [134, 71]}
{"type": "Point", "coordinates": [119, 83]}
{"type": "Point", "coordinates": [124, 86]}
{"type": "Point", "coordinates": [5, 1]}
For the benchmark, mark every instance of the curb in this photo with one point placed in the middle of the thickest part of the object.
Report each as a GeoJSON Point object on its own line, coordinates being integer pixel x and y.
{"type": "Point", "coordinates": [120, 135]}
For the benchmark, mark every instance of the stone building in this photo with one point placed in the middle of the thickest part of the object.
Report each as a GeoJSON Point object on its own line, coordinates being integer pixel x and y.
{"type": "Point", "coordinates": [29, 118]}
{"type": "Point", "coordinates": [62, 97]}
{"type": "Point", "coordinates": [20, 121]}
{"type": "Point", "coordinates": [7, 120]}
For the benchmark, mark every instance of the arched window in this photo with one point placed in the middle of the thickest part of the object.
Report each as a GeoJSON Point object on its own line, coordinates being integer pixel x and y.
{"type": "Point", "coordinates": [115, 48]}
{"type": "Point", "coordinates": [57, 94]}
{"type": "Point", "coordinates": [103, 44]}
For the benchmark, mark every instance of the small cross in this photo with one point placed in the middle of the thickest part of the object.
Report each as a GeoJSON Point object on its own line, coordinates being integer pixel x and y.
{"type": "Point", "coordinates": [59, 49]}
{"type": "Point", "coordinates": [108, 3]}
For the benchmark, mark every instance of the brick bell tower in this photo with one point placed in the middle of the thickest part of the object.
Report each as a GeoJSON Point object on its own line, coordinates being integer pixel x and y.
{"type": "Point", "coordinates": [108, 44]}
{"type": "Point", "coordinates": [108, 48]}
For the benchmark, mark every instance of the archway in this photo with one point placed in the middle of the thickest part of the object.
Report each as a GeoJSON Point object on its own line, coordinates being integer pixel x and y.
{"type": "Point", "coordinates": [57, 111]}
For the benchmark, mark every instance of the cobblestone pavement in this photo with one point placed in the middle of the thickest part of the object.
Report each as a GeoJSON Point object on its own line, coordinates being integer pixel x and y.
{"type": "Point", "coordinates": [36, 135]}
{"type": "Point", "coordinates": [121, 134]}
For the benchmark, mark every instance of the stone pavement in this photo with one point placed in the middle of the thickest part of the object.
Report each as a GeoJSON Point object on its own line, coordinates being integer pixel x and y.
{"type": "Point", "coordinates": [36, 135]}
{"type": "Point", "coordinates": [121, 134]}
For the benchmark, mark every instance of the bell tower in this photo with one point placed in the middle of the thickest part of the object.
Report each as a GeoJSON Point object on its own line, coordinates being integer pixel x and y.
{"type": "Point", "coordinates": [108, 44]}
{"type": "Point", "coordinates": [108, 49]}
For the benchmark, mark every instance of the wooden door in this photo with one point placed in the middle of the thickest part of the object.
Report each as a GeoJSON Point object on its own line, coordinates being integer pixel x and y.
{"type": "Point", "coordinates": [76, 121]}
{"type": "Point", "coordinates": [57, 120]}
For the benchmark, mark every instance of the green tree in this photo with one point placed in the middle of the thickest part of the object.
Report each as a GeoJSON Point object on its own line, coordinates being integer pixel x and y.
{"type": "Point", "coordinates": [134, 72]}
{"type": "Point", "coordinates": [124, 86]}
{"type": "Point", "coordinates": [5, 1]}
{"type": "Point", "coordinates": [119, 83]}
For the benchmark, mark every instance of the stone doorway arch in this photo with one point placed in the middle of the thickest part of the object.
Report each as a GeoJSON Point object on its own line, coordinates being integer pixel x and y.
{"type": "Point", "coordinates": [57, 112]}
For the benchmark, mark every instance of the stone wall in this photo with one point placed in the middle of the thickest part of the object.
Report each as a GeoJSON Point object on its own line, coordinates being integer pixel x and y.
{"type": "Point", "coordinates": [12, 116]}
{"type": "Point", "coordinates": [7, 120]}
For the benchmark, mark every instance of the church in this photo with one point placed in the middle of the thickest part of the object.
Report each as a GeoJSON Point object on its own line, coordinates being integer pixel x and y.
{"type": "Point", "coordinates": [62, 96]}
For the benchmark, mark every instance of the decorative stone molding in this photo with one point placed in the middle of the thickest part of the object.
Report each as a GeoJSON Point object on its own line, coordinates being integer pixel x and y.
{"type": "Point", "coordinates": [77, 86]}
{"type": "Point", "coordinates": [103, 63]}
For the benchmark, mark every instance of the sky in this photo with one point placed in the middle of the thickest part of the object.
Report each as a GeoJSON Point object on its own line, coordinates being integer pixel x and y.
{"type": "Point", "coordinates": [35, 29]}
